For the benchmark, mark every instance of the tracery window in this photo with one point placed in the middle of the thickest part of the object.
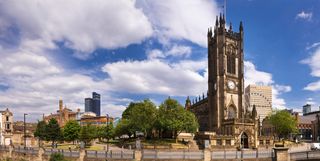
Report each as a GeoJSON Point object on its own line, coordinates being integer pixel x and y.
{"type": "Point", "coordinates": [231, 61]}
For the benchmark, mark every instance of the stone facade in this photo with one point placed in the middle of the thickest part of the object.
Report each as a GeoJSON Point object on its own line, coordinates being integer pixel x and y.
{"type": "Point", "coordinates": [222, 112]}
{"type": "Point", "coordinates": [63, 115]}
{"type": "Point", "coordinates": [6, 127]}
{"type": "Point", "coordinates": [18, 134]}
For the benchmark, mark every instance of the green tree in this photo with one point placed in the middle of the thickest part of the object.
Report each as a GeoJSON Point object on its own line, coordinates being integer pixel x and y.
{"type": "Point", "coordinates": [40, 131]}
{"type": "Point", "coordinates": [141, 116]}
{"type": "Point", "coordinates": [284, 123]}
{"type": "Point", "coordinates": [123, 128]}
{"type": "Point", "coordinates": [173, 117]}
{"type": "Point", "coordinates": [71, 131]}
{"type": "Point", "coordinates": [53, 131]}
{"type": "Point", "coordinates": [107, 132]}
{"type": "Point", "coordinates": [87, 134]}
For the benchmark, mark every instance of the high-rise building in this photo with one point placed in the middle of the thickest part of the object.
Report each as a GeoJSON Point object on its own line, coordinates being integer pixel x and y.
{"type": "Point", "coordinates": [88, 105]}
{"type": "Point", "coordinates": [261, 97]}
{"type": "Point", "coordinates": [96, 103]}
{"type": "Point", "coordinates": [93, 104]}
{"type": "Point", "coordinates": [306, 109]}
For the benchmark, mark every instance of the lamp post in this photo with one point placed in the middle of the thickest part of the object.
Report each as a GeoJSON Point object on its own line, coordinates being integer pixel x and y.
{"type": "Point", "coordinates": [24, 129]}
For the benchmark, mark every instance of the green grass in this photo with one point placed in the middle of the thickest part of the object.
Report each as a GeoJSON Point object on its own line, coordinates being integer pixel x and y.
{"type": "Point", "coordinates": [65, 146]}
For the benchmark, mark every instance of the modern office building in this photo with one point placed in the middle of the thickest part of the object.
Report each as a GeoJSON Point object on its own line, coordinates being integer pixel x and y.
{"type": "Point", "coordinates": [306, 109]}
{"type": "Point", "coordinates": [261, 97]}
{"type": "Point", "coordinates": [96, 103]}
{"type": "Point", "coordinates": [93, 104]}
{"type": "Point", "coordinates": [88, 105]}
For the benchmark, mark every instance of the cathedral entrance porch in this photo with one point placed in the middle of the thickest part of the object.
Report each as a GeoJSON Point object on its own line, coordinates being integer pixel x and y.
{"type": "Point", "coordinates": [244, 141]}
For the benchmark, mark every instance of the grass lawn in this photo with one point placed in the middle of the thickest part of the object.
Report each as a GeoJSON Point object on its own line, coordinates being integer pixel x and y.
{"type": "Point", "coordinates": [65, 146]}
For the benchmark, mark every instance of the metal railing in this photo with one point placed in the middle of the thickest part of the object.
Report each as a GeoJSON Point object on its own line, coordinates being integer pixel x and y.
{"type": "Point", "coordinates": [115, 154]}
{"type": "Point", "coordinates": [155, 154]}
{"type": "Point", "coordinates": [305, 155]}
{"type": "Point", "coordinates": [26, 150]}
{"type": "Point", "coordinates": [4, 148]}
{"type": "Point", "coordinates": [66, 153]}
{"type": "Point", "coordinates": [245, 154]}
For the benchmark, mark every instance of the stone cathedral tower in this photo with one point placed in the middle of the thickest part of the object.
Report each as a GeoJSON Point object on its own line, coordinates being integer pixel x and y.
{"type": "Point", "coordinates": [222, 112]}
{"type": "Point", "coordinates": [225, 67]}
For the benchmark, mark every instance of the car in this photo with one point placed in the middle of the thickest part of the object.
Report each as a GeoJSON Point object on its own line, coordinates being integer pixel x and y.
{"type": "Point", "coordinates": [315, 146]}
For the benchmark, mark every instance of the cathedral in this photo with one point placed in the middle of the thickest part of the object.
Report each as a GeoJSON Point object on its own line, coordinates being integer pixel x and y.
{"type": "Point", "coordinates": [221, 114]}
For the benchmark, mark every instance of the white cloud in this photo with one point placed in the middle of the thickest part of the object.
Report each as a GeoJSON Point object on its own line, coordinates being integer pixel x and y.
{"type": "Point", "coordinates": [313, 62]}
{"type": "Point", "coordinates": [254, 76]}
{"type": "Point", "coordinates": [181, 19]}
{"type": "Point", "coordinates": [304, 15]}
{"type": "Point", "coordinates": [180, 51]}
{"type": "Point", "coordinates": [316, 44]}
{"type": "Point", "coordinates": [175, 51]}
{"type": "Point", "coordinates": [154, 76]}
{"type": "Point", "coordinates": [81, 25]}
{"type": "Point", "coordinates": [35, 83]}
{"type": "Point", "coordinates": [314, 86]}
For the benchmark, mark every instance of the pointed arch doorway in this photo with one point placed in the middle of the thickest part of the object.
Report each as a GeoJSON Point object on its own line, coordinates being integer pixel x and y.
{"type": "Point", "coordinates": [244, 140]}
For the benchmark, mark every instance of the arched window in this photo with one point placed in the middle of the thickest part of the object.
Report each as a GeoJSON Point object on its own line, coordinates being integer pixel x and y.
{"type": "Point", "coordinates": [231, 61]}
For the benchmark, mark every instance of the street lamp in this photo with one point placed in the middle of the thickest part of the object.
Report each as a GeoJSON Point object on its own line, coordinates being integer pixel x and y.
{"type": "Point", "coordinates": [24, 129]}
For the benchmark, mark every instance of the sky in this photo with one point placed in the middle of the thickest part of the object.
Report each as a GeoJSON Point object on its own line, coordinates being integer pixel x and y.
{"type": "Point", "coordinates": [130, 50]}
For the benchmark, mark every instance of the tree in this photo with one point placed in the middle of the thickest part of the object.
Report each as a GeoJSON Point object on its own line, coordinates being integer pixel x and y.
{"type": "Point", "coordinates": [139, 116]}
{"type": "Point", "coordinates": [53, 131]}
{"type": "Point", "coordinates": [71, 131]}
{"type": "Point", "coordinates": [40, 131]}
{"type": "Point", "coordinates": [284, 123]}
{"type": "Point", "coordinates": [87, 134]}
{"type": "Point", "coordinates": [173, 117]}
{"type": "Point", "coordinates": [107, 132]}
{"type": "Point", "coordinates": [123, 128]}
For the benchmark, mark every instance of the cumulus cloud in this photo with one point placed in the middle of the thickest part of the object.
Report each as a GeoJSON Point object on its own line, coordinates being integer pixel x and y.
{"type": "Point", "coordinates": [314, 86]}
{"type": "Point", "coordinates": [254, 76]}
{"type": "Point", "coordinates": [174, 51]}
{"type": "Point", "coordinates": [304, 15]}
{"type": "Point", "coordinates": [313, 63]}
{"type": "Point", "coordinates": [35, 83]}
{"type": "Point", "coordinates": [181, 19]}
{"type": "Point", "coordinates": [78, 24]}
{"type": "Point", "coordinates": [154, 76]}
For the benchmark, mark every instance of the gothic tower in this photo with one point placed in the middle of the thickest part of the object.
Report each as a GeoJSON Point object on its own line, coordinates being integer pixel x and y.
{"type": "Point", "coordinates": [225, 69]}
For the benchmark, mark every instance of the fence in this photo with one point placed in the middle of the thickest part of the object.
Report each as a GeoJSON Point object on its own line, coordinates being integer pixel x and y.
{"type": "Point", "coordinates": [26, 150]}
{"type": "Point", "coordinates": [123, 154]}
{"type": "Point", "coordinates": [245, 154]}
{"type": "Point", "coordinates": [4, 148]}
{"type": "Point", "coordinates": [155, 154]}
{"type": "Point", "coordinates": [67, 153]}
{"type": "Point", "coordinates": [305, 155]}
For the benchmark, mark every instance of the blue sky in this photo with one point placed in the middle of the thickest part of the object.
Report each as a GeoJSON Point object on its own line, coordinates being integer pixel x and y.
{"type": "Point", "coordinates": [130, 50]}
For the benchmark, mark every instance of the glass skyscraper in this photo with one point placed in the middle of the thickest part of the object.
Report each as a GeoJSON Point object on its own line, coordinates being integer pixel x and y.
{"type": "Point", "coordinates": [93, 104]}
{"type": "Point", "coordinates": [96, 103]}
